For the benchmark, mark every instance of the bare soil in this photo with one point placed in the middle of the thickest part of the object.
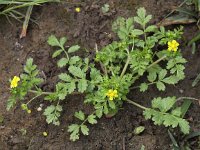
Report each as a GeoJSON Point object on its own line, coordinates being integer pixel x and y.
{"type": "Point", "coordinates": [86, 28]}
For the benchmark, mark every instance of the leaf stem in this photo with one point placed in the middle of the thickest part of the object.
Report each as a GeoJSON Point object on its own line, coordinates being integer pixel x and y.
{"type": "Point", "coordinates": [39, 92]}
{"type": "Point", "coordinates": [157, 61]}
{"type": "Point", "coordinates": [33, 98]}
{"type": "Point", "coordinates": [136, 104]}
{"type": "Point", "coordinates": [125, 66]}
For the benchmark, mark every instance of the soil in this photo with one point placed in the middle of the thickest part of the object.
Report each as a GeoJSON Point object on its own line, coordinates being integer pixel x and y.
{"type": "Point", "coordinates": [86, 28]}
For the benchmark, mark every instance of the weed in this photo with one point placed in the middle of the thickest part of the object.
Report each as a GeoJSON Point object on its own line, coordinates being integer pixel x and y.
{"type": "Point", "coordinates": [137, 53]}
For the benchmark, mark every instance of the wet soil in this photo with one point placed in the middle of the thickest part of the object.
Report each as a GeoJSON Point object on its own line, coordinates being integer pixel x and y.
{"type": "Point", "coordinates": [86, 28]}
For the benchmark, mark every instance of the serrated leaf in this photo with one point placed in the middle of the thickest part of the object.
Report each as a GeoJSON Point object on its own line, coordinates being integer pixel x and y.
{"type": "Point", "coordinates": [84, 130]}
{"type": "Point", "coordinates": [91, 119]}
{"type": "Point", "coordinates": [170, 120]}
{"type": "Point", "coordinates": [137, 32]}
{"type": "Point", "coordinates": [157, 118]}
{"type": "Point", "coordinates": [143, 87]}
{"type": "Point", "coordinates": [73, 60]}
{"type": "Point", "coordinates": [184, 125]}
{"type": "Point", "coordinates": [62, 62]}
{"type": "Point", "coordinates": [10, 103]}
{"type": "Point", "coordinates": [99, 112]}
{"type": "Point", "coordinates": [73, 48]}
{"type": "Point", "coordinates": [160, 86]}
{"type": "Point", "coordinates": [171, 80]}
{"type": "Point", "coordinates": [71, 86]}
{"type": "Point", "coordinates": [72, 127]}
{"type": "Point", "coordinates": [64, 77]}
{"type": "Point", "coordinates": [162, 74]}
{"type": "Point", "coordinates": [82, 85]}
{"type": "Point", "coordinates": [147, 113]}
{"type": "Point", "coordinates": [63, 41]}
{"type": "Point", "coordinates": [53, 41]}
{"type": "Point", "coordinates": [177, 112]}
{"type": "Point", "coordinates": [57, 53]}
{"type": "Point", "coordinates": [141, 12]}
{"type": "Point", "coordinates": [80, 115]}
{"type": "Point", "coordinates": [151, 28]}
{"type": "Point", "coordinates": [76, 71]}
{"type": "Point", "coordinates": [52, 114]}
{"type": "Point", "coordinates": [163, 104]}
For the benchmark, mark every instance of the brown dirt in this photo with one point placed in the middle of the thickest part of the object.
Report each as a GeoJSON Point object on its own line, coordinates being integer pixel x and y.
{"type": "Point", "coordinates": [86, 28]}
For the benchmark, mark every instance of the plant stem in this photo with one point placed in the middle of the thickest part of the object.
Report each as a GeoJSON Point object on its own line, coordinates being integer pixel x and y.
{"type": "Point", "coordinates": [39, 92]}
{"type": "Point", "coordinates": [189, 98]}
{"type": "Point", "coordinates": [125, 66]}
{"type": "Point", "coordinates": [33, 99]}
{"type": "Point", "coordinates": [157, 61]}
{"type": "Point", "coordinates": [136, 104]}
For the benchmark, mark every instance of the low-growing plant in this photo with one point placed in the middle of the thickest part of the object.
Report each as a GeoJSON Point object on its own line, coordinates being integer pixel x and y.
{"type": "Point", "coordinates": [142, 50]}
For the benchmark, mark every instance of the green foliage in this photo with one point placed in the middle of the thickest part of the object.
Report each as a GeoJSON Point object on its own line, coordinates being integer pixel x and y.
{"type": "Point", "coordinates": [28, 80]}
{"type": "Point", "coordinates": [52, 114]}
{"type": "Point", "coordinates": [107, 81]}
{"type": "Point", "coordinates": [163, 112]}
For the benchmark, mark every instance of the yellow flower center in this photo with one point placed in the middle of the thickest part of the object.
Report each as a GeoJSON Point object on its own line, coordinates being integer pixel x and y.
{"type": "Point", "coordinates": [77, 9]}
{"type": "Point", "coordinates": [173, 45]}
{"type": "Point", "coordinates": [14, 82]}
{"type": "Point", "coordinates": [112, 94]}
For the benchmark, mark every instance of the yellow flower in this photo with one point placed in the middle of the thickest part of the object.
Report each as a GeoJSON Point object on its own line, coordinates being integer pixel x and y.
{"type": "Point", "coordinates": [45, 133]}
{"type": "Point", "coordinates": [173, 45]}
{"type": "Point", "coordinates": [112, 94]}
{"type": "Point", "coordinates": [14, 82]}
{"type": "Point", "coordinates": [77, 9]}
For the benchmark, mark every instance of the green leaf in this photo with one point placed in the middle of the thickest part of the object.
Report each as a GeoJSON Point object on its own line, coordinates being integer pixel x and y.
{"type": "Point", "coordinates": [138, 130]}
{"type": "Point", "coordinates": [141, 12]}
{"type": "Point", "coordinates": [137, 32]}
{"type": "Point", "coordinates": [152, 76]}
{"type": "Point", "coordinates": [91, 119]}
{"type": "Point", "coordinates": [143, 87]}
{"type": "Point", "coordinates": [82, 85]}
{"type": "Point", "coordinates": [160, 86]}
{"type": "Point", "coordinates": [84, 130]}
{"type": "Point", "coordinates": [76, 71]}
{"type": "Point", "coordinates": [80, 115]}
{"type": "Point", "coordinates": [74, 129]}
{"type": "Point", "coordinates": [99, 112]}
{"type": "Point", "coordinates": [63, 41]}
{"type": "Point", "coordinates": [111, 104]}
{"type": "Point", "coordinates": [62, 62]}
{"type": "Point", "coordinates": [57, 53]}
{"type": "Point", "coordinates": [177, 112]}
{"type": "Point", "coordinates": [73, 49]}
{"type": "Point", "coordinates": [185, 106]}
{"type": "Point", "coordinates": [52, 114]}
{"type": "Point", "coordinates": [163, 104]}
{"type": "Point", "coordinates": [64, 77]}
{"type": "Point", "coordinates": [10, 103]}
{"type": "Point", "coordinates": [162, 74]}
{"type": "Point", "coordinates": [71, 86]}
{"type": "Point", "coordinates": [184, 125]}
{"type": "Point", "coordinates": [171, 80]}
{"type": "Point", "coordinates": [151, 28]}
{"type": "Point", "coordinates": [73, 60]}
{"type": "Point", "coordinates": [53, 41]}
